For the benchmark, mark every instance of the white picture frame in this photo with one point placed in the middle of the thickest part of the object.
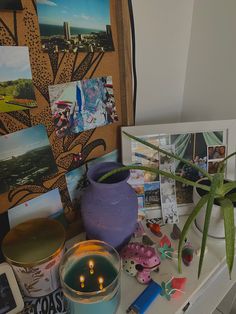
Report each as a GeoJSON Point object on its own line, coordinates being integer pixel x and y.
{"type": "Point", "coordinates": [10, 291]}
{"type": "Point", "coordinates": [227, 127]}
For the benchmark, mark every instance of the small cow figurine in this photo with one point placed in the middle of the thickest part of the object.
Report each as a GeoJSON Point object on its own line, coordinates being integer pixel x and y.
{"type": "Point", "coordinates": [140, 260]}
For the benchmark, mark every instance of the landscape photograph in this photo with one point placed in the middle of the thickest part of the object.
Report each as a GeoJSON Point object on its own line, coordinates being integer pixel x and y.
{"type": "Point", "coordinates": [46, 205]}
{"type": "Point", "coordinates": [25, 158]}
{"type": "Point", "coordinates": [75, 25]}
{"type": "Point", "coordinates": [16, 86]}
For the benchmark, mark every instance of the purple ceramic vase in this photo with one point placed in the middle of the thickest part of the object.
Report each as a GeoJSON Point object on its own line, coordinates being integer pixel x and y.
{"type": "Point", "coordinates": [109, 210]}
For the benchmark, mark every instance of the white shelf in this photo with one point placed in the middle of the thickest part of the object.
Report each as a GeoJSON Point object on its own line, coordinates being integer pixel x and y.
{"type": "Point", "coordinates": [203, 294]}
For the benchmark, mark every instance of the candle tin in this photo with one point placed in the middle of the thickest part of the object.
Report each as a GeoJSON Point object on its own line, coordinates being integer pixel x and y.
{"type": "Point", "coordinates": [34, 250]}
{"type": "Point", "coordinates": [90, 278]}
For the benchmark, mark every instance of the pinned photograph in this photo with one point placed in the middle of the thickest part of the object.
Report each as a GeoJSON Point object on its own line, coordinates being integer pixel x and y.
{"type": "Point", "coordinates": [140, 202]}
{"type": "Point", "coordinates": [45, 205]}
{"type": "Point", "coordinates": [152, 194]}
{"type": "Point", "coordinates": [25, 158]}
{"type": "Point", "coordinates": [82, 105]}
{"type": "Point", "coordinates": [213, 166]}
{"type": "Point", "coordinates": [143, 154]}
{"type": "Point", "coordinates": [16, 86]}
{"type": "Point", "coordinates": [75, 25]}
{"type": "Point", "coordinates": [167, 187]}
{"type": "Point", "coordinates": [13, 5]}
{"type": "Point", "coordinates": [216, 152]}
{"type": "Point", "coordinates": [136, 177]}
{"type": "Point", "coordinates": [139, 189]}
{"type": "Point", "coordinates": [76, 179]}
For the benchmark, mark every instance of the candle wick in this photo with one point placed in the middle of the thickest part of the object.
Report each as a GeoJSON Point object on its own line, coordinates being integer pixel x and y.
{"type": "Point", "coordinates": [100, 281]}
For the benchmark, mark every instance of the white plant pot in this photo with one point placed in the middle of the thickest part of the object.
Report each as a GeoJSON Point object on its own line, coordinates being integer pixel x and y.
{"type": "Point", "coordinates": [216, 226]}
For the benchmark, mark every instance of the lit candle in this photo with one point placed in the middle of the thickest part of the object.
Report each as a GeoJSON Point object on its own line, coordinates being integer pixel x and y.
{"type": "Point", "coordinates": [82, 280]}
{"type": "Point", "coordinates": [91, 266]}
{"type": "Point", "coordinates": [81, 288]}
{"type": "Point", "coordinates": [100, 281]}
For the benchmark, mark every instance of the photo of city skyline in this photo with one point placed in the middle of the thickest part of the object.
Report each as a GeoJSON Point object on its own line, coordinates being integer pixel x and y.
{"type": "Point", "coordinates": [75, 25]}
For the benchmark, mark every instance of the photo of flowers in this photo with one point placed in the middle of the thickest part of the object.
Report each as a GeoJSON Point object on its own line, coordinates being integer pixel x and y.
{"type": "Point", "coordinates": [46, 205]}
{"type": "Point", "coordinates": [25, 158]}
{"type": "Point", "coordinates": [11, 5]}
{"type": "Point", "coordinates": [82, 105]}
{"type": "Point", "coordinates": [16, 86]}
{"type": "Point", "coordinates": [75, 25]}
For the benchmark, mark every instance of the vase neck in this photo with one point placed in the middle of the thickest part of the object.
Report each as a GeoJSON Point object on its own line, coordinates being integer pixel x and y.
{"type": "Point", "coordinates": [98, 170]}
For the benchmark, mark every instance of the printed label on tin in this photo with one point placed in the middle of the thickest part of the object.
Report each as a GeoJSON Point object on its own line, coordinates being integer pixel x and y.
{"type": "Point", "coordinates": [50, 304]}
{"type": "Point", "coordinates": [39, 280]}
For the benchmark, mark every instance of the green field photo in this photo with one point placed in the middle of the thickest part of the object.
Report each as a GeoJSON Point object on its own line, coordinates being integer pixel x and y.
{"type": "Point", "coordinates": [16, 86]}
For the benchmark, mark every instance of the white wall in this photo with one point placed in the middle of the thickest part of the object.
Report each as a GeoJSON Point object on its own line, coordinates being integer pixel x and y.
{"type": "Point", "coordinates": [210, 87]}
{"type": "Point", "coordinates": [163, 30]}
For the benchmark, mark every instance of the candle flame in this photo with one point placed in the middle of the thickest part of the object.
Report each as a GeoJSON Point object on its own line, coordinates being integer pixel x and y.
{"type": "Point", "coordinates": [91, 266]}
{"type": "Point", "coordinates": [100, 281]}
{"type": "Point", "coordinates": [82, 280]}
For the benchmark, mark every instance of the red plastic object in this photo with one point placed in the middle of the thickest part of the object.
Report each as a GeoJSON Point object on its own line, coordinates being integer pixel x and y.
{"type": "Point", "coordinates": [178, 283]}
{"type": "Point", "coordinates": [155, 229]}
{"type": "Point", "coordinates": [165, 240]}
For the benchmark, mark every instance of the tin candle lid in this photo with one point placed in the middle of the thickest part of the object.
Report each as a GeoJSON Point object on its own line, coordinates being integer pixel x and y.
{"type": "Point", "coordinates": [33, 242]}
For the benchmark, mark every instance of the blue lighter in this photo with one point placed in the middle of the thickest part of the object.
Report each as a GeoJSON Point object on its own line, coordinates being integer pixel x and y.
{"type": "Point", "coordinates": [140, 305]}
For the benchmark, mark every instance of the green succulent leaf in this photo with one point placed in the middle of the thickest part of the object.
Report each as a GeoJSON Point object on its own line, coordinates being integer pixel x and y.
{"type": "Point", "coordinates": [228, 157]}
{"type": "Point", "coordinates": [187, 162]}
{"type": "Point", "coordinates": [232, 197]}
{"type": "Point", "coordinates": [228, 213]}
{"type": "Point", "coordinates": [229, 186]}
{"type": "Point", "coordinates": [210, 202]}
{"type": "Point", "coordinates": [187, 225]}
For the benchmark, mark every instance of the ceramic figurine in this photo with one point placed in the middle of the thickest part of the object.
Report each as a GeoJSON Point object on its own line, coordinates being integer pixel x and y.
{"type": "Point", "coordinates": [140, 260]}
{"type": "Point", "coordinates": [155, 229]}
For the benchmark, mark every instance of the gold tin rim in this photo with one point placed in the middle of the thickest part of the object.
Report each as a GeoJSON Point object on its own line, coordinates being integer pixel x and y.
{"type": "Point", "coordinates": [29, 228]}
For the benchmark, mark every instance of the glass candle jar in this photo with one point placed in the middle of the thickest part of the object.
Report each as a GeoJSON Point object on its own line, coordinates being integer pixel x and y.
{"type": "Point", "coordinates": [90, 278]}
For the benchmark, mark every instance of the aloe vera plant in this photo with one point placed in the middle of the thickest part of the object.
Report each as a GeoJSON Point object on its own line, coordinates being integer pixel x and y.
{"type": "Point", "coordinates": [219, 191]}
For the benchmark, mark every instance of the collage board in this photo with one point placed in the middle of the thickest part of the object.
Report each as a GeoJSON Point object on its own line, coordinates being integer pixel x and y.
{"type": "Point", "coordinates": [204, 149]}
{"type": "Point", "coordinates": [55, 95]}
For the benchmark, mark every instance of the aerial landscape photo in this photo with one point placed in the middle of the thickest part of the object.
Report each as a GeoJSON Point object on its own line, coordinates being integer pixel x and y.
{"type": "Point", "coordinates": [16, 86]}
{"type": "Point", "coordinates": [75, 25]}
{"type": "Point", "coordinates": [25, 158]}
